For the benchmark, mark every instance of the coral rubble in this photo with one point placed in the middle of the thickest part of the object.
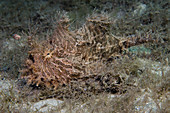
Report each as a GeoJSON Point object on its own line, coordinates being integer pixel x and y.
{"type": "Point", "coordinates": [75, 54]}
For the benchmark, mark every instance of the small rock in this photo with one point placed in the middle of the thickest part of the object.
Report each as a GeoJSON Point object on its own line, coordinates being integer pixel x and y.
{"type": "Point", "coordinates": [141, 8]}
{"type": "Point", "coordinates": [46, 105]}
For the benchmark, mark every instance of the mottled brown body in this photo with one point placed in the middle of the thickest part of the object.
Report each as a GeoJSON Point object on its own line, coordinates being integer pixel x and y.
{"type": "Point", "coordinates": [75, 54]}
